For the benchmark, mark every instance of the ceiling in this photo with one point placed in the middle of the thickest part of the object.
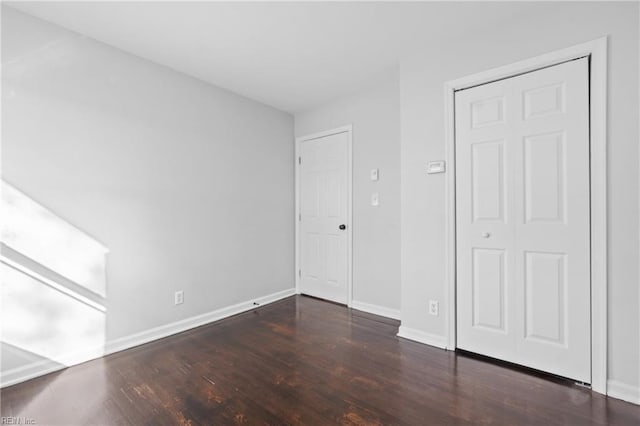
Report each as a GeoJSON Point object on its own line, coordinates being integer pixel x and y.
{"type": "Point", "coordinates": [292, 56]}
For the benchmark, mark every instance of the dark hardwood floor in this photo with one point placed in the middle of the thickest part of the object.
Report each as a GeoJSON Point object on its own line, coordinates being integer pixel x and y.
{"type": "Point", "coordinates": [303, 361]}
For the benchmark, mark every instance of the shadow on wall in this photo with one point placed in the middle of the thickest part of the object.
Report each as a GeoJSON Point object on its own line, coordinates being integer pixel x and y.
{"type": "Point", "coordinates": [53, 287]}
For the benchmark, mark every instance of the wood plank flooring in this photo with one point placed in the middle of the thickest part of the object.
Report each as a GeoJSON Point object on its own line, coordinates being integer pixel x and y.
{"type": "Point", "coordinates": [303, 361]}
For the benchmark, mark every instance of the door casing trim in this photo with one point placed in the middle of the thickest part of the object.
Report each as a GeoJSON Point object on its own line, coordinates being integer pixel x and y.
{"type": "Point", "coordinates": [299, 140]}
{"type": "Point", "coordinates": [596, 50]}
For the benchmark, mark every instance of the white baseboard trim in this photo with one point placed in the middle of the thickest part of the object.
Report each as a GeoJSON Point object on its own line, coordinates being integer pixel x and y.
{"type": "Point", "coordinates": [29, 371]}
{"type": "Point", "coordinates": [422, 337]}
{"type": "Point", "coordinates": [376, 309]}
{"type": "Point", "coordinates": [623, 391]}
{"type": "Point", "coordinates": [156, 333]}
{"type": "Point", "coordinates": [40, 368]}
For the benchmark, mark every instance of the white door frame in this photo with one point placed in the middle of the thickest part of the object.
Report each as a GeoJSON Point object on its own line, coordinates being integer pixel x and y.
{"type": "Point", "coordinates": [343, 129]}
{"type": "Point", "coordinates": [597, 51]}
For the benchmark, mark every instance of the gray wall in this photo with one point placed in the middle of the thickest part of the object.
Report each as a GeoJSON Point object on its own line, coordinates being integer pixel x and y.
{"type": "Point", "coordinates": [555, 26]}
{"type": "Point", "coordinates": [189, 186]}
{"type": "Point", "coordinates": [375, 116]}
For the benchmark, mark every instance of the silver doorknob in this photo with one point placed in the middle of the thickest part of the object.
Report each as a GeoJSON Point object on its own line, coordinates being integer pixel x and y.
{"type": "Point", "coordinates": [486, 235]}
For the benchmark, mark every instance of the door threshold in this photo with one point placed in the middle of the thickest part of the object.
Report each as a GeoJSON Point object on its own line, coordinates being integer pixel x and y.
{"type": "Point", "coordinates": [524, 369]}
{"type": "Point", "coordinates": [324, 300]}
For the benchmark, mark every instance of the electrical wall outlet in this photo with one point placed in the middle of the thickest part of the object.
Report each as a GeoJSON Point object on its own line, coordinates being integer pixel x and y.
{"type": "Point", "coordinates": [178, 297]}
{"type": "Point", "coordinates": [375, 199]}
{"type": "Point", "coordinates": [433, 307]}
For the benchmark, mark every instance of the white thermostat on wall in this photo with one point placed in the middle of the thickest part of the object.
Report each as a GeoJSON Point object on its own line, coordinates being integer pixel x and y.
{"type": "Point", "coordinates": [375, 174]}
{"type": "Point", "coordinates": [435, 167]}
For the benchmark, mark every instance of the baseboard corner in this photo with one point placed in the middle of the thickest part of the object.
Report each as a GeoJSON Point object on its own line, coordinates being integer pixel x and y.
{"type": "Point", "coordinates": [623, 391]}
{"type": "Point", "coordinates": [376, 309]}
{"type": "Point", "coordinates": [422, 337]}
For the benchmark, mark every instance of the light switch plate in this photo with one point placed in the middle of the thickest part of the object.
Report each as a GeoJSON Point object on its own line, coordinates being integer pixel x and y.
{"type": "Point", "coordinates": [375, 199]}
{"type": "Point", "coordinates": [375, 174]}
{"type": "Point", "coordinates": [435, 167]}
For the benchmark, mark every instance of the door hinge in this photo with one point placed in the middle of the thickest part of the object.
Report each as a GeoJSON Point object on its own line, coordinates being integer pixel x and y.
{"type": "Point", "coordinates": [299, 217]}
{"type": "Point", "coordinates": [300, 273]}
{"type": "Point", "coordinates": [299, 160]}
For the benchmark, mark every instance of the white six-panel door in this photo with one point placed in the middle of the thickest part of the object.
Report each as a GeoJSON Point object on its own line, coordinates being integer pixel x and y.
{"type": "Point", "coordinates": [522, 220]}
{"type": "Point", "coordinates": [323, 180]}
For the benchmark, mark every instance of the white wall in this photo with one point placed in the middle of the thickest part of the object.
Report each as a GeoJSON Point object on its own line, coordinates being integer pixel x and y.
{"type": "Point", "coordinates": [189, 186]}
{"type": "Point", "coordinates": [375, 115]}
{"type": "Point", "coordinates": [555, 26]}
